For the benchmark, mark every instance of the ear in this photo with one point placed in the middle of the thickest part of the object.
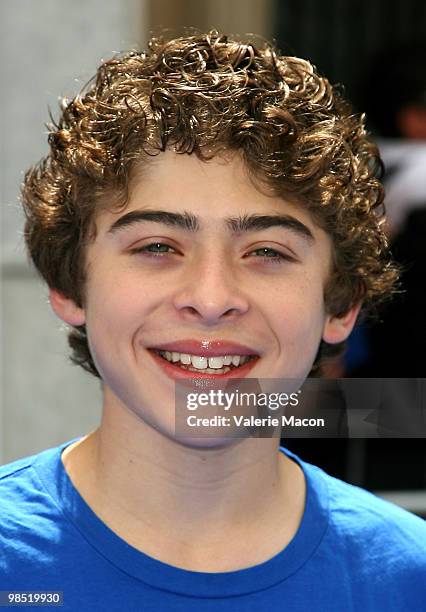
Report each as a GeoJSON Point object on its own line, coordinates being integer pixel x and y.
{"type": "Point", "coordinates": [337, 329]}
{"type": "Point", "coordinates": [66, 309]}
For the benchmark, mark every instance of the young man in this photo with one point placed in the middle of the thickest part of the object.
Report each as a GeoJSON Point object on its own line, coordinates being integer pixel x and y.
{"type": "Point", "coordinates": [210, 210]}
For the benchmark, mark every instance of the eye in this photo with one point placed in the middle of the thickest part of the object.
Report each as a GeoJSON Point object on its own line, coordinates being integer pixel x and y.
{"type": "Point", "coordinates": [154, 249]}
{"type": "Point", "coordinates": [271, 255]}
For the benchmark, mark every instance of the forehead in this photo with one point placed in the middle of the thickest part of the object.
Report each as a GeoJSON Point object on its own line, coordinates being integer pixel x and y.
{"type": "Point", "coordinates": [211, 192]}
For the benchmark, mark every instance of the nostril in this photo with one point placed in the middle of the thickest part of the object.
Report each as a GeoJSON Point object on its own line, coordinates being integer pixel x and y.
{"type": "Point", "coordinates": [191, 309]}
{"type": "Point", "coordinates": [230, 312]}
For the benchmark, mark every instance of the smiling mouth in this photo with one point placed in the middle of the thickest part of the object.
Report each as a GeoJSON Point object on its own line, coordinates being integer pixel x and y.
{"type": "Point", "coordinates": [205, 365]}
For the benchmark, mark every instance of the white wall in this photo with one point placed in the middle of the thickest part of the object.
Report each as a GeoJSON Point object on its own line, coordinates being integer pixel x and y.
{"type": "Point", "coordinates": [49, 48]}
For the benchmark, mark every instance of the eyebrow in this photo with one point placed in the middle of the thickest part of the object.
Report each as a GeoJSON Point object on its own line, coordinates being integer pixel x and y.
{"type": "Point", "coordinates": [186, 221]}
{"type": "Point", "coordinates": [250, 223]}
{"type": "Point", "coordinates": [189, 222]}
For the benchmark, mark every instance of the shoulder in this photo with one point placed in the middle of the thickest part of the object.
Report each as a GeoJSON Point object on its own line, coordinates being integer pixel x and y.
{"type": "Point", "coordinates": [355, 509]}
{"type": "Point", "coordinates": [24, 483]}
{"type": "Point", "coordinates": [20, 475]}
{"type": "Point", "coordinates": [29, 516]}
{"type": "Point", "coordinates": [372, 532]}
{"type": "Point", "coordinates": [13, 476]}
{"type": "Point", "coordinates": [22, 493]}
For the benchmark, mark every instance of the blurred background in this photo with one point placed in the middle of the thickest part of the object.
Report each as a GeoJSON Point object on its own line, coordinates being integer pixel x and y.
{"type": "Point", "coordinates": [374, 49]}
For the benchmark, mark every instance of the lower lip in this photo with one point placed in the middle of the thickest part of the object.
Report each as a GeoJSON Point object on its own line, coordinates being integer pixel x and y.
{"type": "Point", "coordinates": [176, 372]}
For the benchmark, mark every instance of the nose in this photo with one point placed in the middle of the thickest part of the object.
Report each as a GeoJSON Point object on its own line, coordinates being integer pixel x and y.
{"type": "Point", "coordinates": [211, 293]}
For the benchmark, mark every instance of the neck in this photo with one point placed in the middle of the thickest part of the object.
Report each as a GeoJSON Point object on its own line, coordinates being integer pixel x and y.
{"type": "Point", "coordinates": [173, 501]}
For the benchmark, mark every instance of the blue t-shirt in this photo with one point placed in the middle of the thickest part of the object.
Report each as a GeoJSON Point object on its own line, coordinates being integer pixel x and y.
{"type": "Point", "coordinates": [352, 551]}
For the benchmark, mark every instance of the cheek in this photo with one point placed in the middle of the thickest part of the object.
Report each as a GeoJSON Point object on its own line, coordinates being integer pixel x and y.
{"type": "Point", "coordinates": [119, 305]}
{"type": "Point", "coordinates": [300, 316]}
{"type": "Point", "coordinates": [111, 310]}
{"type": "Point", "coordinates": [300, 302]}
{"type": "Point", "coordinates": [304, 326]}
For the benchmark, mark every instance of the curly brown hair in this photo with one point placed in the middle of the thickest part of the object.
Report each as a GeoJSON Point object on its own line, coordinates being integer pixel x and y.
{"type": "Point", "coordinates": [205, 95]}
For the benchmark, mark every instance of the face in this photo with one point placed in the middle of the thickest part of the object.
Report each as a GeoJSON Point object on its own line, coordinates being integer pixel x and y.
{"type": "Point", "coordinates": [201, 275]}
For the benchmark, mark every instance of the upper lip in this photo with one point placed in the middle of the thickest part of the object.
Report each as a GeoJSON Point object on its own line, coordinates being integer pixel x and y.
{"type": "Point", "coordinates": [206, 348]}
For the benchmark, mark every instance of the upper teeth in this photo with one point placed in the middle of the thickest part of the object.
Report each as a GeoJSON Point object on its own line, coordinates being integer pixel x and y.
{"type": "Point", "coordinates": [200, 363]}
